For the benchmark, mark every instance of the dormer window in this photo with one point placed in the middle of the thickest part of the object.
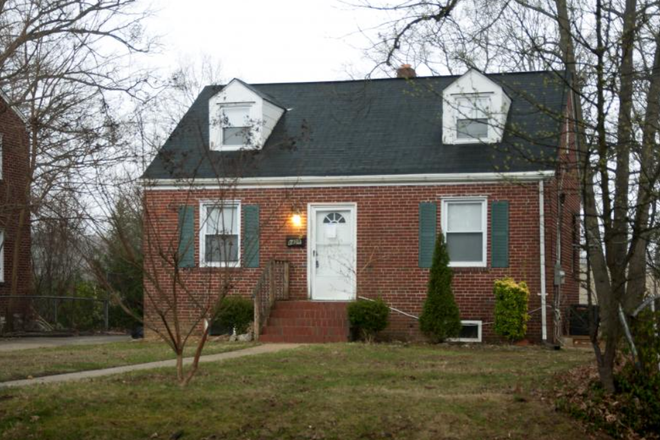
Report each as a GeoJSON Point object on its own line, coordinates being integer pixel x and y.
{"type": "Point", "coordinates": [472, 117]}
{"type": "Point", "coordinates": [236, 126]}
{"type": "Point", "coordinates": [474, 110]}
{"type": "Point", "coordinates": [241, 117]}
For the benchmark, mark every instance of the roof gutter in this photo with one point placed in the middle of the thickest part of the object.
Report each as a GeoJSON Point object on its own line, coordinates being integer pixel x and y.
{"type": "Point", "coordinates": [544, 293]}
{"type": "Point", "coordinates": [339, 181]}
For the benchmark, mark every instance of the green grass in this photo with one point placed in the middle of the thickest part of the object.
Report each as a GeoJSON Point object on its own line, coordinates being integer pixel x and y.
{"type": "Point", "coordinates": [37, 362]}
{"type": "Point", "coordinates": [349, 391]}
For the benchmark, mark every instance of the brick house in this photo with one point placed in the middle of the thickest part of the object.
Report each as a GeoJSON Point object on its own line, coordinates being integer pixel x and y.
{"type": "Point", "coordinates": [349, 182]}
{"type": "Point", "coordinates": [14, 203]}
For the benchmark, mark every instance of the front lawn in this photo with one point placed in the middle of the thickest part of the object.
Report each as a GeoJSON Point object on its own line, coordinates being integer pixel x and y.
{"type": "Point", "coordinates": [347, 391]}
{"type": "Point", "coordinates": [36, 362]}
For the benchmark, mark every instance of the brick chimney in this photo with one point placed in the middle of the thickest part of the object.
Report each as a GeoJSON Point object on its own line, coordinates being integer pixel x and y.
{"type": "Point", "coordinates": [405, 71]}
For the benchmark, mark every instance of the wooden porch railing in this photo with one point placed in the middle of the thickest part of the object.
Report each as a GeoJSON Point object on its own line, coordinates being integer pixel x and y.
{"type": "Point", "coordinates": [273, 285]}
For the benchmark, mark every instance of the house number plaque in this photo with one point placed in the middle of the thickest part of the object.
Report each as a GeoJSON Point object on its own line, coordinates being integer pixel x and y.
{"type": "Point", "coordinates": [296, 241]}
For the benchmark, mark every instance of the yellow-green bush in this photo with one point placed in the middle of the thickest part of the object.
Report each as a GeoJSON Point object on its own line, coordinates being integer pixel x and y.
{"type": "Point", "coordinates": [511, 300]}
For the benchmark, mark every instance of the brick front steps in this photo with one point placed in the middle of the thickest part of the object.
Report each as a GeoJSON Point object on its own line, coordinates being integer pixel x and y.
{"type": "Point", "coordinates": [306, 321]}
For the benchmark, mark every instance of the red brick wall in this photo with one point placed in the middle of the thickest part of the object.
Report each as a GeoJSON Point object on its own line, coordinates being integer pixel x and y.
{"type": "Point", "coordinates": [564, 205]}
{"type": "Point", "coordinates": [14, 198]}
{"type": "Point", "coordinates": [387, 230]}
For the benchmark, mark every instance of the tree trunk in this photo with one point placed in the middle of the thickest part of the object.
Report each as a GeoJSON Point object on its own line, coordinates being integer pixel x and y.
{"type": "Point", "coordinates": [179, 366]}
{"type": "Point", "coordinates": [605, 286]}
{"type": "Point", "coordinates": [198, 353]}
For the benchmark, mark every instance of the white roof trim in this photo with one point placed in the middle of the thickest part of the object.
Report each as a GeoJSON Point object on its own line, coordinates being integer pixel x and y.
{"type": "Point", "coordinates": [482, 75]}
{"type": "Point", "coordinates": [342, 181]}
{"type": "Point", "coordinates": [13, 107]}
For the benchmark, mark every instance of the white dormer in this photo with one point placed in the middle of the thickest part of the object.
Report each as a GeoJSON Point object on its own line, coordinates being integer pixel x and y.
{"type": "Point", "coordinates": [241, 117]}
{"type": "Point", "coordinates": [474, 110]}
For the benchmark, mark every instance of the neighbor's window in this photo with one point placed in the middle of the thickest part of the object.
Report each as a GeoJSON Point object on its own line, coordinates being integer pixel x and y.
{"type": "Point", "coordinates": [464, 226]}
{"type": "Point", "coordinates": [472, 117]}
{"type": "Point", "coordinates": [235, 126]}
{"type": "Point", "coordinates": [220, 234]}
{"type": "Point", "coordinates": [1, 153]}
{"type": "Point", "coordinates": [2, 256]}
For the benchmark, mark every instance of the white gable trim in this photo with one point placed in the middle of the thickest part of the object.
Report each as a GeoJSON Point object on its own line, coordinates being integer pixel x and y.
{"type": "Point", "coordinates": [14, 108]}
{"type": "Point", "coordinates": [344, 181]}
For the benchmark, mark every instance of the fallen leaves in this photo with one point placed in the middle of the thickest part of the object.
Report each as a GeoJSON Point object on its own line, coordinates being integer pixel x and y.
{"type": "Point", "coordinates": [578, 393]}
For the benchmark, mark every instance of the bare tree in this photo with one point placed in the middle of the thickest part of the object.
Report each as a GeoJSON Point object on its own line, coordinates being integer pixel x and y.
{"type": "Point", "coordinates": [611, 51]}
{"type": "Point", "coordinates": [180, 305]}
{"type": "Point", "coordinates": [181, 299]}
{"type": "Point", "coordinates": [66, 64]}
{"type": "Point", "coordinates": [56, 239]}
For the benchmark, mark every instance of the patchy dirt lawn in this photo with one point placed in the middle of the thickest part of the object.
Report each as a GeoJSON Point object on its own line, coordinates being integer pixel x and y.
{"type": "Point", "coordinates": [37, 362]}
{"type": "Point", "coordinates": [346, 391]}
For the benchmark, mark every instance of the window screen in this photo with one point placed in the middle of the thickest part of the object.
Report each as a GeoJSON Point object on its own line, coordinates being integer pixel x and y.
{"type": "Point", "coordinates": [235, 125]}
{"type": "Point", "coordinates": [221, 234]}
{"type": "Point", "coordinates": [464, 231]}
{"type": "Point", "coordinates": [472, 117]}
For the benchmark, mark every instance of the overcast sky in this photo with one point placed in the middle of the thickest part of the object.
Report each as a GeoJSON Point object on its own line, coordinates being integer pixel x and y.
{"type": "Point", "coordinates": [268, 41]}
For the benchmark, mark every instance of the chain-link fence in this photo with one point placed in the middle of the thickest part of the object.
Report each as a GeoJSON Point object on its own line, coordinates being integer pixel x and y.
{"type": "Point", "coordinates": [47, 314]}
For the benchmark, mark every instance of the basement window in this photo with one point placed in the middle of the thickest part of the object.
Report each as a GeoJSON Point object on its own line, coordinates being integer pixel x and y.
{"type": "Point", "coordinates": [470, 332]}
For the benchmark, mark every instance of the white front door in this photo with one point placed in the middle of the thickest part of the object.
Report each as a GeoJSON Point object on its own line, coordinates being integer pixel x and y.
{"type": "Point", "coordinates": [332, 261]}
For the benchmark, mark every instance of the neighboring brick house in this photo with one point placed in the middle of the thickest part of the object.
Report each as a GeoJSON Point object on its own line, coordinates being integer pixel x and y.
{"type": "Point", "coordinates": [14, 203]}
{"type": "Point", "coordinates": [366, 173]}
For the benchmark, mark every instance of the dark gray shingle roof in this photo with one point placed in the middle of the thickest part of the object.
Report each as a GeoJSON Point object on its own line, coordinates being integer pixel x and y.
{"type": "Point", "coordinates": [371, 127]}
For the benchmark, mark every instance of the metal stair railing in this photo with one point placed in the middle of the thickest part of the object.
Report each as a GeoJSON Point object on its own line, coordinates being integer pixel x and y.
{"type": "Point", "coordinates": [273, 285]}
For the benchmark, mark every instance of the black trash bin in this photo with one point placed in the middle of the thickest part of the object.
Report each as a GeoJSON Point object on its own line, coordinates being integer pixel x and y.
{"type": "Point", "coordinates": [578, 324]}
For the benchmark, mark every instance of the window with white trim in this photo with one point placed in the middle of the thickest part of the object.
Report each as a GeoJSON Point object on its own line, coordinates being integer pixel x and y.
{"type": "Point", "coordinates": [464, 227]}
{"type": "Point", "coordinates": [1, 154]}
{"type": "Point", "coordinates": [472, 117]}
{"type": "Point", "coordinates": [220, 234]}
{"type": "Point", "coordinates": [471, 331]}
{"type": "Point", "coordinates": [2, 256]}
{"type": "Point", "coordinates": [236, 126]}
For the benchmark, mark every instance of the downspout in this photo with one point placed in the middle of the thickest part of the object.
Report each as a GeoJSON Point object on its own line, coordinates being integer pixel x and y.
{"type": "Point", "coordinates": [544, 318]}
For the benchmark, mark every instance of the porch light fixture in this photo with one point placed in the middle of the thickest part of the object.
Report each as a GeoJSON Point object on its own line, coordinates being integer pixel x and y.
{"type": "Point", "coordinates": [296, 219]}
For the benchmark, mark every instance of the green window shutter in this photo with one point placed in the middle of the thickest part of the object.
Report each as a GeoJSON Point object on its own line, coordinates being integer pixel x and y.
{"type": "Point", "coordinates": [251, 236]}
{"type": "Point", "coordinates": [428, 217]}
{"type": "Point", "coordinates": [500, 233]}
{"type": "Point", "coordinates": [186, 236]}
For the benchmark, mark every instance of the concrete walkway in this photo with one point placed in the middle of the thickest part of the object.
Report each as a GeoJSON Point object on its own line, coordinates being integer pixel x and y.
{"type": "Point", "coordinates": [259, 349]}
{"type": "Point", "coordinates": [26, 343]}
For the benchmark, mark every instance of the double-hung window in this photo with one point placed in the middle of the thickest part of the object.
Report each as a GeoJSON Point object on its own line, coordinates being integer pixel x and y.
{"type": "Point", "coordinates": [1, 153]}
{"type": "Point", "coordinates": [220, 234]}
{"type": "Point", "coordinates": [236, 126]}
{"type": "Point", "coordinates": [2, 256]}
{"type": "Point", "coordinates": [472, 117]}
{"type": "Point", "coordinates": [464, 226]}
